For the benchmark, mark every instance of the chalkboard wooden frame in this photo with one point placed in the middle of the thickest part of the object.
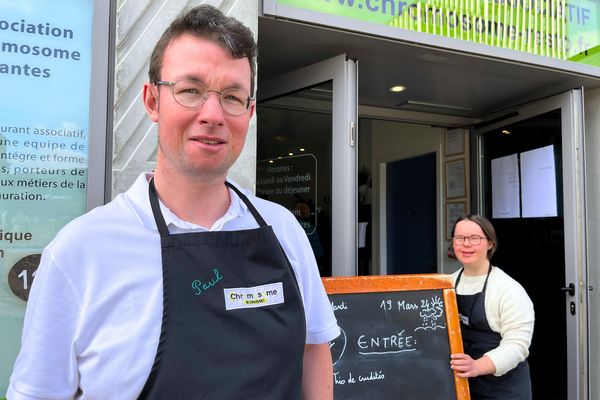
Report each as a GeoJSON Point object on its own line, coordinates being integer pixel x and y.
{"type": "Point", "coordinates": [410, 282]}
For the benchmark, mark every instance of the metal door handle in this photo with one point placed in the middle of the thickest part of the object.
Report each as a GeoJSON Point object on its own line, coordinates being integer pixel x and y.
{"type": "Point", "coordinates": [569, 289]}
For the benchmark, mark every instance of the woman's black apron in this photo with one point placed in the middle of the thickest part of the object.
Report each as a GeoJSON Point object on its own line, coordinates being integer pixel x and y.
{"type": "Point", "coordinates": [233, 323]}
{"type": "Point", "coordinates": [478, 338]}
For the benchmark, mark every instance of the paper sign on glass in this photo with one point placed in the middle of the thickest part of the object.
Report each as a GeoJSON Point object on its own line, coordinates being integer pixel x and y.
{"type": "Point", "coordinates": [538, 183]}
{"type": "Point", "coordinates": [505, 187]}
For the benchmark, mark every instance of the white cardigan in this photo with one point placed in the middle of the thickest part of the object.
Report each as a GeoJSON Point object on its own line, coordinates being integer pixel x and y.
{"type": "Point", "coordinates": [509, 312]}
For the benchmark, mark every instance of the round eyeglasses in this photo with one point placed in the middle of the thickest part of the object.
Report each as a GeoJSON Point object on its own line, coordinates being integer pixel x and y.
{"type": "Point", "coordinates": [473, 239]}
{"type": "Point", "coordinates": [192, 94]}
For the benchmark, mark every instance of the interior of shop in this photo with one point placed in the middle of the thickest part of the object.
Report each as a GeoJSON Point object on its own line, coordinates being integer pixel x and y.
{"type": "Point", "coordinates": [401, 140]}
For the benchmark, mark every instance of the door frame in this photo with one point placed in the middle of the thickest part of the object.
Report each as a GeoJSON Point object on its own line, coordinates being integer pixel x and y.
{"type": "Point", "coordinates": [574, 217]}
{"type": "Point", "coordinates": [343, 72]}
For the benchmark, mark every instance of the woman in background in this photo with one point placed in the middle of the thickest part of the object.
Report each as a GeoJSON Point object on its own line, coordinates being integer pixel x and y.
{"type": "Point", "coordinates": [496, 316]}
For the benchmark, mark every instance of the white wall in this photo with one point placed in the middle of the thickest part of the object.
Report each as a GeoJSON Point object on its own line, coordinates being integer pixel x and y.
{"type": "Point", "coordinates": [139, 24]}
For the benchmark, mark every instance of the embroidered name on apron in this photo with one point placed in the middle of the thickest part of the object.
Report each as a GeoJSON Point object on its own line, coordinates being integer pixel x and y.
{"type": "Point", "coordinates": [258, 296]}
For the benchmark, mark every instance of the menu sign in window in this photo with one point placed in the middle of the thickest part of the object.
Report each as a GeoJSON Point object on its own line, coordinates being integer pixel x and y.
{"type": "Point", "coordinates": [291, 182]}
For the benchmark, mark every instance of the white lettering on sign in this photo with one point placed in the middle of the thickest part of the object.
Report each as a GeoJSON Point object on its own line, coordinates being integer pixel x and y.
{"type": "Point", "coordinates": [383, 344]}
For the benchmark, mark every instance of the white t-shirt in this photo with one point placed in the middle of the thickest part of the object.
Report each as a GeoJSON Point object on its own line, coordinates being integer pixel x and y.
{"type": "Point", "coordinates": [509, 312]}
{"type": "Point", "coordinates": [94, 313]}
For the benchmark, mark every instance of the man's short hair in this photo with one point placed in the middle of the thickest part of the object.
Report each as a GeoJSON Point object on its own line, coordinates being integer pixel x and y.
{"type": "Point", "coordinates": [207, 22]}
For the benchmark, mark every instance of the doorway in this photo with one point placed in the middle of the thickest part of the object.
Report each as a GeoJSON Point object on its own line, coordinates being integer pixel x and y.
{"type": "Point", "coordinates": [411, 215]}
{"type": "Point", "coordinates": [532, 249]}
{"type": "Point", "coordinates": [530, 186]}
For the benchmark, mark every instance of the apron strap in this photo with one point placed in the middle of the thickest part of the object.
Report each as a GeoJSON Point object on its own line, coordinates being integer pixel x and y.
{"type": "Point", "coordinates": [250, 206]}
{"type": "Point", "coordinates": [263, 224]}
{"type": "Point", "coordinates": [486, 278]}
{"type": "Point", "coordinates": [158, 217]}
{"type": "Point", "coordinates": [160, 221]}
{"type": "Point", "coordinates": [459, 276]}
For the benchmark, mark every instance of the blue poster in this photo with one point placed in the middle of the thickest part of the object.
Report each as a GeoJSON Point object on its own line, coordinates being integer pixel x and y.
{"type": "Point", "coordinates": [45, 64]}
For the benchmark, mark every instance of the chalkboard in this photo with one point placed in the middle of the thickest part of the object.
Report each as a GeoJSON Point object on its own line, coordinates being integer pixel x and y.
{"type": "Point", "coordinates": [398, 332]}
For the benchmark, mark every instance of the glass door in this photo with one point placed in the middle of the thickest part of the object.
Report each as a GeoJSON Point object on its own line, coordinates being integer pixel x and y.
{"type": "Point", "coordinates": [531, 181]}
{"type": "Point", "coordinates": [306, 156]}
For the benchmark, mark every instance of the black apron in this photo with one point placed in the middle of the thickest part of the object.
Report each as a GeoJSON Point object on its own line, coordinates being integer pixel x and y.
{"type": "Point", "coordinates": [233, 323]}
{"type": "Point", "coordinates": [478, 339]}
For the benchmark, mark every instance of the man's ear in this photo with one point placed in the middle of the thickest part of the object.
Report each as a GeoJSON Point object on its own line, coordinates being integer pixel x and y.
{"type": "Point", "coordinates": [151, 100]}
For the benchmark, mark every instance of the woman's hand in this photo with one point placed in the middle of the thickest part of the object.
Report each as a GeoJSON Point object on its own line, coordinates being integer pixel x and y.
{"type": "Point", "coordinates": [466, 367]}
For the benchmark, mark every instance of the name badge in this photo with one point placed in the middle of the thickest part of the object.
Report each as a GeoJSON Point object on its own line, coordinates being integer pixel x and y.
{"type": "Point", "coordinates": [258, 296]}
{"type": "Point", "coordinates": [464, 319]}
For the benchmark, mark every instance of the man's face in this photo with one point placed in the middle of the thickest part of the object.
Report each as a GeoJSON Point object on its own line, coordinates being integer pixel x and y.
{"type": "Point", "coordinates": [198, 142]}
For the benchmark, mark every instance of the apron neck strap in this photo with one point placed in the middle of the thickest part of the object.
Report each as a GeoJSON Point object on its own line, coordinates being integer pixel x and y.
{"type": "Point", "coordinates": [486, 278]}
{"type": "Point", "coordinates": [250, 206]}
{"type": "Point", "coordinates": [158, 217]}
{"type": "Point", "coordinates": [160, 221]}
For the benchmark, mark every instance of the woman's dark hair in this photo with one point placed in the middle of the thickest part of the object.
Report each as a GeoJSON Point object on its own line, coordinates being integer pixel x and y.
{"type": "Point", "coordinates": [485, 225]}
{"type": "Point", "coordinates": [209, 23]}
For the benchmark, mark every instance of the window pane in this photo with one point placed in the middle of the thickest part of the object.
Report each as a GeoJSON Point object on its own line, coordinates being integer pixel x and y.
{"type": "Point", "coordinates": [294, 161]}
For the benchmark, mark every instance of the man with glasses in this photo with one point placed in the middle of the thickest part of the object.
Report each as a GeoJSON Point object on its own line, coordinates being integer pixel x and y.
{"type": "Point", "coordinates": [186, 286]}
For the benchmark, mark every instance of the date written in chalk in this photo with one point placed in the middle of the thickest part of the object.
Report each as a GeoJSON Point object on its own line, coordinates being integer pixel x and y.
{"type": "Point", "coordinates": [11, 237]}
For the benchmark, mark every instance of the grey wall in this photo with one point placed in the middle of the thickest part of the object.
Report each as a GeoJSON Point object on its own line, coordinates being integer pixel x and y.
{"type": "Point", "coordinates": [139, 24]}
